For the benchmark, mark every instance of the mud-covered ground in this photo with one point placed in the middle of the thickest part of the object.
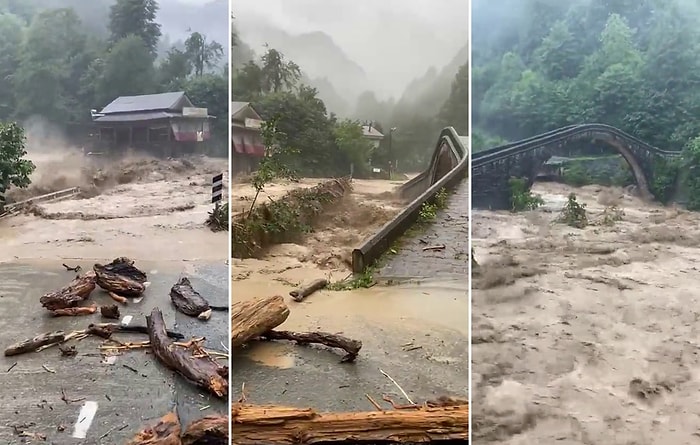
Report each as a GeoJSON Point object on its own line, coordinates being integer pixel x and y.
{"type": "Point", "coordinates": [586, 336]}
{"type": "Point", "coordinates": [152, 209]}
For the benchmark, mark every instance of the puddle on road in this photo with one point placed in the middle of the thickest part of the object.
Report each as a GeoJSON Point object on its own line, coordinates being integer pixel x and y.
{"type": "Point", "coordinates": [439, 303]}
{"type": "Point", "coordinates": [273, 355]}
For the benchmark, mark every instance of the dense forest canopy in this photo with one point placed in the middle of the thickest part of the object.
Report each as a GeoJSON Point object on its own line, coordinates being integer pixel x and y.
{"type": "Point", "coordinates": [323, 126]}
{"type": "Point", "coordinates": [56, 66]}
{"type": "Point", "coordinates": [542, 64]}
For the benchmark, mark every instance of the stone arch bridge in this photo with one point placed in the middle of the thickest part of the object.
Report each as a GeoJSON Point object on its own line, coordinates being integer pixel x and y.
{"type": "Point", "coordinates": [491, 169]}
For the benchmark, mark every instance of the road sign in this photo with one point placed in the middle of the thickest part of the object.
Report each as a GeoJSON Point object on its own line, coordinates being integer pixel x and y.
{"type": "Point", "coordinates": [194, 112]}
{"type": "Point", "coordinates": [217, 188]}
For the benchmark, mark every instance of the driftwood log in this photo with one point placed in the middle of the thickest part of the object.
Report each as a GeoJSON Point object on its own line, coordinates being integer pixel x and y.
{"type": "Point", "coordinates": [190, 302]}
{"type": "Point", "coordinates": [305, 291]}
{"type": "Point", "coordinates": [121, 277]}
{"type": "Point", "coordinates": [350, 346]}
{"type": "Point", "coordinates": [192, 363]}
{"type": "Point", "coordinates": [165, 432]}
{"type": "Point", "coordinates": [101, 329]}
{"type": "Point", "coordinates": [269, 424]}
{"type": "Point", "coordinates": [74, 311]}
{"type": "Point", "coordinates": [71, 295]}
{"type": "Point", "coordinates": [210, 430]}
{"type": "Point", "coordinates": [252, 318]}
{"type": "Point", "coordinates": [35, 343]}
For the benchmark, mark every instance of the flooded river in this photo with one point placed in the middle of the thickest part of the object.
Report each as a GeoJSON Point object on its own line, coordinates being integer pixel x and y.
{"type": "Point", "coordinates": [140, 207]}
{"type": "Point", "coordinates": [586, 336]}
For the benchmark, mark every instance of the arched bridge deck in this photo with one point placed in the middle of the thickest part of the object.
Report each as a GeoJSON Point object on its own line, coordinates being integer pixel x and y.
{"type": "Point", "coordinates": [492, 168]}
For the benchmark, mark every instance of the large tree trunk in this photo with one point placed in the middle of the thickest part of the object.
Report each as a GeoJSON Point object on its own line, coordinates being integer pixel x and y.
{"type": "Point", "coordinates": [252, 318]}
{"type": "Point", "coordinates": [272, 425]}
{"type": "Point", "coordinates": [77, 291]}
{"type": "Point", "coordinates": [192, 362]}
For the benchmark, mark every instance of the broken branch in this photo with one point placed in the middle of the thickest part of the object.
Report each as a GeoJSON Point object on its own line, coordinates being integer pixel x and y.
{"type": "Point", "coordinates": [192, 363]}
{"type": "Point", "coordinates": [305, 291]}
{"type": "Point", "coordinates": [352, 347]}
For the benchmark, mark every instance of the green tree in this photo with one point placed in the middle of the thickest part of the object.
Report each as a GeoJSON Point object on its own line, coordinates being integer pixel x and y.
{"type": "Point", "coordinates": [128, 70]}
{"type": "Point", "coordinates": [455, 111]}
{"type": "Point", "coordinates": [247, 83]}
{"type": "Point", "coordinates": [353, 145]}
{"type": "Point", "coordinates": [277, 73]}
{"type": "Point", "coordinates": [306, 132]}
{"type": "Point", "coordinates": [138, 18]}
{"type": "Point", "coordinates": [14, 168]}
{"type": "Point", "coordinates": [49, 68]}
{"type": "Point", "coordinates": [202, 54]}
{"type": "Point", "coordinates": [11, 29]}
{"type": "Point", "coordinates": [174, 69]}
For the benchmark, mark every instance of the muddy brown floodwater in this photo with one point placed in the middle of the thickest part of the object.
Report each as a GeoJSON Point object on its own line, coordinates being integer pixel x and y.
{"type": "Point", "coordinates": [431, 314]}
{"type": "Point", "coordinates": [138, 207]}
{"type": "Point", "coordinates": [327, 251]}
{"type": "Point", "coordinates": [587, 336]}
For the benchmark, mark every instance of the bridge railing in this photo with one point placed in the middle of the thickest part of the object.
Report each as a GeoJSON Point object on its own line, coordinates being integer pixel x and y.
{"type": "Point", "coordinates": [525, 145]}
{"type": "Point", "coordinates": [375, 246]}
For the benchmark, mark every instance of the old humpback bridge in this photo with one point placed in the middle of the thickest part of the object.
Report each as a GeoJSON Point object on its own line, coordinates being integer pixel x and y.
{"type": "Point", "coordinates": [492, 169]}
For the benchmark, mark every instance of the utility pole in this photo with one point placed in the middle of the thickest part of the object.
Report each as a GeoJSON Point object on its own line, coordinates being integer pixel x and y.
{"type": "Point", "coordinates": [391, 151]}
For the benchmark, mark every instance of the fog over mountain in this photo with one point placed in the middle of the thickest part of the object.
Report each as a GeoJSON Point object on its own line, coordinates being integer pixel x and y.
{"type": "Point", "coordinates": [346, 47]}
{"type": "Point", "coordinates": [175, 16]}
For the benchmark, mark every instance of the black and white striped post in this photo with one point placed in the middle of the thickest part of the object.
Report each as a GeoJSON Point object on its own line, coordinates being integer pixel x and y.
{"type": "Point", "coordinates": [217, 189]}
{"type": "Point", "coordinates": [3, 201]}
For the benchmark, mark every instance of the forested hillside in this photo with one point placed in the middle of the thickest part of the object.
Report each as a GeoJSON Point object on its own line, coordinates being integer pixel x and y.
{"type": "Point", "coordinates": [544, 64]}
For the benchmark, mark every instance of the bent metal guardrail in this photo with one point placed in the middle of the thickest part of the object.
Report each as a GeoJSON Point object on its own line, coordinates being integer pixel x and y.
{"type": "Point", "coordinates": [420, 190]}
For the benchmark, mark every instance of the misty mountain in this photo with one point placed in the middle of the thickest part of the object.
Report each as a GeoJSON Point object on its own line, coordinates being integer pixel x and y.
{"type": "Point", "coordinates": [242, 53]}
{"type": "Point", "coordinates": [315, 52]}
{"type": "Point", "coordinates": [335, 103]}
{"type": "Point", "coordinates": [431, 90]}
{"type": "Point", "coordinates": [175, 17]}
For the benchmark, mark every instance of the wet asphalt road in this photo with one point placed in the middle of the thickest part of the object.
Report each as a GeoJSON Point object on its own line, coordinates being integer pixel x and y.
{"type": "Point", "coordinates": [428, 360]}
{"type": "Point", "coordinates": [129, 393]}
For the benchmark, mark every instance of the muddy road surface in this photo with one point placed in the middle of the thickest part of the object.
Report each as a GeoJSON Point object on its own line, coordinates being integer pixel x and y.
{"type": "Point", "coordinates": [415, 332]}
{"type": "Point", "coordinates": [152, 211]}
{"type": "Point", "coordinates": [586, 335]}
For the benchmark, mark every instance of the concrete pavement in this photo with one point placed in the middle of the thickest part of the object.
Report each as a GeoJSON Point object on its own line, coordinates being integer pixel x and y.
{"type": "Point", "coordinates": [108, 402]}
{"type": "Point", "coordinates": [451, 228]}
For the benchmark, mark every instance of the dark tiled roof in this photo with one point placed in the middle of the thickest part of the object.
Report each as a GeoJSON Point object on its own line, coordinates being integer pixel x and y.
{"type": "Point", "coordinates": [148, 102]}
{"type": "Point", "coordinates": [135, 117]}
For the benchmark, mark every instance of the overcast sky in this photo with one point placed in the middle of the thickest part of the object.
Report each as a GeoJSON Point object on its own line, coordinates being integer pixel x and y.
{"type": "Point", "coordinates": [395, 41]}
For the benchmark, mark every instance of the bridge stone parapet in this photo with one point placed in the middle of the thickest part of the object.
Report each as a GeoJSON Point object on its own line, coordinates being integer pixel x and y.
{"type": "Point", "coordinates": [493, 168]}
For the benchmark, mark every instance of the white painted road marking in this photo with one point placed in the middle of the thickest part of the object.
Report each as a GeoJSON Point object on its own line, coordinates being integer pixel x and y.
{"type": "Point", "coordinates": [85, 418]}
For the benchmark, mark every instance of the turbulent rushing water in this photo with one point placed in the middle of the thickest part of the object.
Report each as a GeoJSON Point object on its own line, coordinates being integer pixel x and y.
{"type": "Point", "coordinates": [586, 336]}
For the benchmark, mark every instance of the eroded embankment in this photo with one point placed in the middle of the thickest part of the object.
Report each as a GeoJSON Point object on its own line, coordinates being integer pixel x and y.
{"type": "Point", "coordinates": [339, 217]}
{"type": "Point", "coordinates": [586, 335]}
